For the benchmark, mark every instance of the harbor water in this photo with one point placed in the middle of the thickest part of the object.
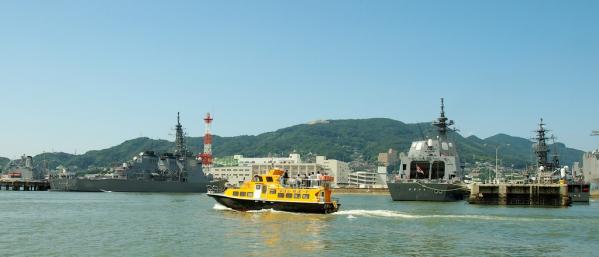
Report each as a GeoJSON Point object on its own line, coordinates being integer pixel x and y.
{"type": "Point", "coordinates": [145, 224]}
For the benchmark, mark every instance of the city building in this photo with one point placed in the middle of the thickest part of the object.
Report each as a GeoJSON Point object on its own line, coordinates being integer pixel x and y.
{"type": "Point", "coordinates": [235, 175]}
{"type": "Point", "coordinates": [388, 158]}
{"type": "Point", "coordinates": [248, 167]}
{"type": "Point", "coordinates": [244, 161]}
{"type": "Point", "coordinates": [369, 179]}
{"type": "Point", "coordinates": [338, 169]}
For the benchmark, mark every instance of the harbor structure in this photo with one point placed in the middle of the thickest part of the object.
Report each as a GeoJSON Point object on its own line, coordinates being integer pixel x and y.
{"type": "Point", "coordinates": [543, 189]}
{"type": "Point", "coordinates": [206, 156]}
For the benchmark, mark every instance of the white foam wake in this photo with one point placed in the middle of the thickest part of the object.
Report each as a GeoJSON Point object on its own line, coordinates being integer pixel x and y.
{"type": "Point", "coordinates": [221, 207]}
{"type": "Point", "coordinates": [396, 214]}
{"type": "Point", "coordinates": [374, 213]}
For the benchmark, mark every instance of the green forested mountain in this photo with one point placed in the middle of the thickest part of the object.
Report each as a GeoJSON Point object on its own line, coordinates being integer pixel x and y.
{"type": "Point", "coordinates": [3, 162]}
{"type": "Point", "coordinates": [338, 139]}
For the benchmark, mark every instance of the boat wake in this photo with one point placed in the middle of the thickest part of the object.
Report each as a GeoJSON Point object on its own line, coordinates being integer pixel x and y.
{"type": "Point", "coordinates": [352, 214]}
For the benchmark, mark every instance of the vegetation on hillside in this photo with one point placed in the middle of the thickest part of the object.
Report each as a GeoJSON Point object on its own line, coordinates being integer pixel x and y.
{"type": "Point", "coordinates": [336, 139]}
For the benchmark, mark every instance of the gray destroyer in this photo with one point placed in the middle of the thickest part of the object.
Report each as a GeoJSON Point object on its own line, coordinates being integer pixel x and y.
{"type": "Point", "coordinates": [147, 172]}
{"type": "Point", "coordinates": [429, 172]}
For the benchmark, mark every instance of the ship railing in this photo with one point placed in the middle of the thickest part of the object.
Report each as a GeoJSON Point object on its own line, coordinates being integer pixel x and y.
{"type": "Point", "coordinates": [305, 183]}
{"type": "Point", "coordinates": [214, 189]}
{"type": "Point", "coordinates": [428, 180]}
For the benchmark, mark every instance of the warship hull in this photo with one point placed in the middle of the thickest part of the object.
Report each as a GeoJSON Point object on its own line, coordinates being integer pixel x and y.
{"type": "Point", "coordinates": [253, 205]}
{"type": "Point", "coordinates": [579, 192]}
{"type": "Point", "coordinates": [124, 185]}
{"type": "Point", "coordinates": [594, 189]}
{"type": "Point", "coordinates": [416, 191]}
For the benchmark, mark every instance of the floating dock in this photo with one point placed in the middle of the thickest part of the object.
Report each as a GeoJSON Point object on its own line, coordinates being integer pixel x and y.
{"type": "Point", "coordinates": [18, 185]}
{"type": "Point", "coordinates": [540, 195]}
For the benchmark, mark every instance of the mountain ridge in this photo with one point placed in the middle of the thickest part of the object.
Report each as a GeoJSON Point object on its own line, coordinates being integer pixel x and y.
{"type": "Point", "coordinates": [337, 139]}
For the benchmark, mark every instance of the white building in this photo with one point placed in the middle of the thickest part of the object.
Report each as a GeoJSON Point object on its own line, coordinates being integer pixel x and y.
{"type": "Point", "coordinates": [292, 168]}
{"type": "Point", "coordinates": [243, 161]}
{"type": "Point", "coordinates": [367, 179]}
{"type": "Point", "coordinates": [249, 167]}
{"type": "Point", "coordinates": [235, 175]}
{"type": "Point", "coordinates": [338, 169]}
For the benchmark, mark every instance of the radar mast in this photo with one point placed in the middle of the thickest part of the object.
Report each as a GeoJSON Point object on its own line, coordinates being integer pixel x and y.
{"type": "Point", "coordinates": [442, 123]}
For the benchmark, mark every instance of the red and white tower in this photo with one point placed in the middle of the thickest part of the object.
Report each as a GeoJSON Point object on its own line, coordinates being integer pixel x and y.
{"type": "Point", "coordinates": [206, 156]}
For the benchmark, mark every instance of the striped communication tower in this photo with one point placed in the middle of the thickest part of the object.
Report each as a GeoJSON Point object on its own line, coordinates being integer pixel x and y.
{"type": "Point", "coordinates": [206, 156]}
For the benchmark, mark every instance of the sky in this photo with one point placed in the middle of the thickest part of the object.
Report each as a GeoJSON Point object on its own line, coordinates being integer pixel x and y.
{"type": "Point", "coordinates": [84, 75]}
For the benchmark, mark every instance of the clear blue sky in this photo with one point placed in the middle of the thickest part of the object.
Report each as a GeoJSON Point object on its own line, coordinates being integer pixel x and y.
{"type": "Point", "coordinates": [83, 75]}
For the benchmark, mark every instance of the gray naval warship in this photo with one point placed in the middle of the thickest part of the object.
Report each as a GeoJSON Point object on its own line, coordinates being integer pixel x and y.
{"type": "Point", "coordinates": [429, 172]}
{"type": "Point", "coordinates": [147, 172]}
{"type": "Point", "coordinates": [551, 171]}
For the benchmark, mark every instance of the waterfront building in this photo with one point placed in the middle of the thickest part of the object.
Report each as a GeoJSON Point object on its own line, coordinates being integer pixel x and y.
{"type": "Point", "coordinates": [338, 169]}
{"type": "Point", "coordinates": [235, 175]}
{"type": "Point", "coordinates": [244, 161]}
{"type": "Point", "coordinates": [369, 179]}
{"type": "Point", "coordinates": [388, 158]}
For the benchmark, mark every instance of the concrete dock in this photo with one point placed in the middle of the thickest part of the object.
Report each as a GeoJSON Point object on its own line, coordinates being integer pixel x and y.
{"type": "Point", "coordinates": [19, 185]}
{"type": "Point", "coordinates": [541, 195]}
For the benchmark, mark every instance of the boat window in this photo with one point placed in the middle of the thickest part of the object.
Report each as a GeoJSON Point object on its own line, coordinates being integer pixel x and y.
{"type": "Point", "coordinates": [444, 146]}
{"type": "Point", "coordinates": [404, 166]}
{"type": "Point", "coordinates": [264, 190]}
{"type": "Point", "coordinates": [305, 196]}
{"type": "Point", "coordinates": [257, 178]}
{"type": "Point", "coordinates": [241, 193]}
{"type": "Point", "coordinates": [296, 196]}
{"type": "Point", "coordinates": [258, 187]}
{"type": "Point", "coordinates": [288, 195]}
{"type": "Point", "coordinates": [438, 170]}
{"type": "Point", "coordinates": [273, 191]}
{"type": "Point", "coordinates": [268, 179]}
{"type": "Point", "coordinates": [250, 194]}
{"type": "Point", "coordinates": [419, 170]}
{"type": "Point", "coordinates": [235, 193]}
{"type": "Point", "coordinates": [281, 195]}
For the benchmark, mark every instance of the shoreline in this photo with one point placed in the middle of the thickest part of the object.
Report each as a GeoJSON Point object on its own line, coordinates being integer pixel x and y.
{"type": "Point", "coordinates": [361, 191]}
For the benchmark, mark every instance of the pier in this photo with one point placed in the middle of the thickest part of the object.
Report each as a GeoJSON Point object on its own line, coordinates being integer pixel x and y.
{"type": "Point", "coordinates": [541, 195]}
{"type": "Point", "coordinates": [29, 185]}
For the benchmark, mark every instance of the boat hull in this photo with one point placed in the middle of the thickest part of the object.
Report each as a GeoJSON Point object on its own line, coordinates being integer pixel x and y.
{"type": "Point", "coordinates": [123, 185]}
{"type": "Point", "coordinates": [416, 191]}
{"type": "Point", "coordinates": [255, 204]}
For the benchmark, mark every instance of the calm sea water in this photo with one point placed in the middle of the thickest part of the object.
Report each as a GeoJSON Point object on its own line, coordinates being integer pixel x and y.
{"type": "Point", "coordinates": [136, 224]}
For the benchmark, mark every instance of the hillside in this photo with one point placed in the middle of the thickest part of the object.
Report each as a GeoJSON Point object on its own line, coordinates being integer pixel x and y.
{"type": "Point", "coordinates": [3, 162]}
{"type": "Point", "coordinates": [338, 139]}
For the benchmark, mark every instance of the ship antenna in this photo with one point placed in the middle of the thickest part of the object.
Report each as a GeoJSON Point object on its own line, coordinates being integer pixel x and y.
{"type": "Point", "coordinates": [442, 122]}
{"type": "Point", "coordinates": [179, 138]}
{"type": "Point", "coordinates": [540, 147]}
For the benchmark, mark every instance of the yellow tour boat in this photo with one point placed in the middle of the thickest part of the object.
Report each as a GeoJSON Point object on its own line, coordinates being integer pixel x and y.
{"type": "Point", "coordinates": [267, 192]}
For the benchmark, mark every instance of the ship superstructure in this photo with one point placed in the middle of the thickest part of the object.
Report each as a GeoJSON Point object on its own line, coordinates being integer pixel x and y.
{"type": "Point", "coordinates": [550, 171]}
